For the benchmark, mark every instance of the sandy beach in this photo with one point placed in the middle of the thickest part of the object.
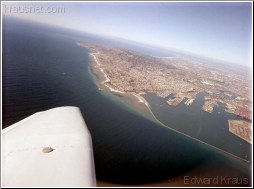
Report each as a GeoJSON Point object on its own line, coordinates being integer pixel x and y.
{"type": "Point", "coordinates": [138, 96]}
{"type": "Point", "coordinates": [141, 99]}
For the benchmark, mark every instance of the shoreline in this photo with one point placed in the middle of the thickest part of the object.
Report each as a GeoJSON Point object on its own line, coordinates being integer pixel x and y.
{"type": "Point", "coordinates": [137, 95]}
{"type": "Point", "coordinates": [142, 100]}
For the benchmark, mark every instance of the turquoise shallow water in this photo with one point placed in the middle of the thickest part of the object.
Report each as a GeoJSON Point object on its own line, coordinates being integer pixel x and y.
{"type": "Point", "coordinates": [44, 68]}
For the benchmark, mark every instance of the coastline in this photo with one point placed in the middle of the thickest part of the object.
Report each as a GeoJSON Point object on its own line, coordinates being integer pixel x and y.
{"type": "Point", "coordinates": [137, 95]}
{"type": "Point", "coordinates": [142, 100]}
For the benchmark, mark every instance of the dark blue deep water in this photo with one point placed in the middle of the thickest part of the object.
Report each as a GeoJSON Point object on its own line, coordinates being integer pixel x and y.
{"type": "Point", "coordinates": [43, 68]}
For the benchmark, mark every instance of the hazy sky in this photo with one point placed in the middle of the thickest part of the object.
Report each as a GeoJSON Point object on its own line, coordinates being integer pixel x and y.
{"type": "Point", "coordinates": [217, 30]}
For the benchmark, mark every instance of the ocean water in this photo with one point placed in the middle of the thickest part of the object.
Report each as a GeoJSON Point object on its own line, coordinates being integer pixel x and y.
{"type": "Point", "coordinates": [43, 68]}
{"type": "Point", "coordinates": [211, 128]}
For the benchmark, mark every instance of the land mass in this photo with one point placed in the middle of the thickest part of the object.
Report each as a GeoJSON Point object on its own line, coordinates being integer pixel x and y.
{"type": "Point", "coordinates": [178, 79]}
{"type": "Point", "coordinates": [126, 71]}
{"type": "Point", "coordinates": [241, 129]}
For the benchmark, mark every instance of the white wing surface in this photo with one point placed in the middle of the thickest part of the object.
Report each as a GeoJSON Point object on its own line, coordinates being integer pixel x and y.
{"type": "Point", "coordinates": [48, 149]}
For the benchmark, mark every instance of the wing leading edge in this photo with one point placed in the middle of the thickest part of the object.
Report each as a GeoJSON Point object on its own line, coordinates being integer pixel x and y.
{"type": "Point", "coordinates": [48, 149]}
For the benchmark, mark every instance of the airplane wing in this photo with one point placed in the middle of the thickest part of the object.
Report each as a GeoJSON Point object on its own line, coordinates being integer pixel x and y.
{"type": "Point", "coordinates": [48, 149]}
